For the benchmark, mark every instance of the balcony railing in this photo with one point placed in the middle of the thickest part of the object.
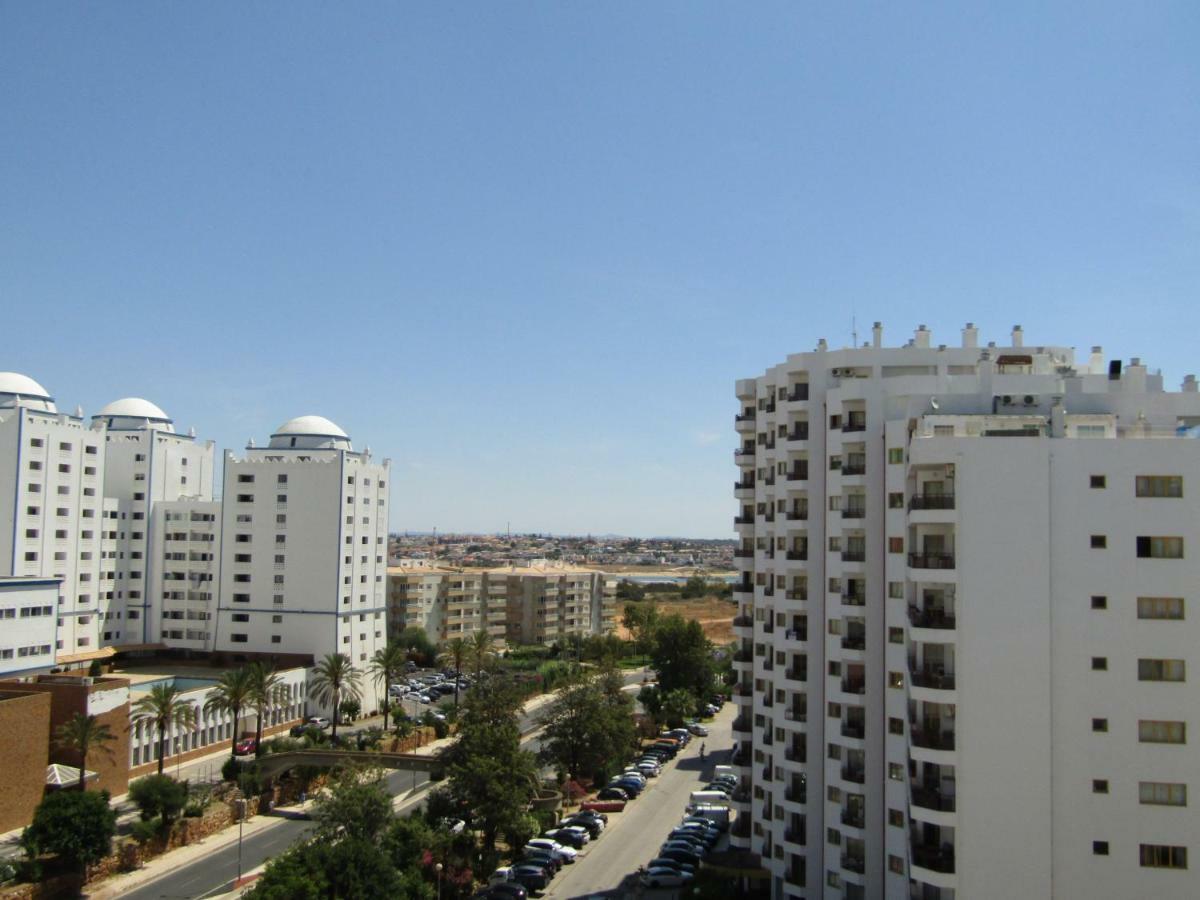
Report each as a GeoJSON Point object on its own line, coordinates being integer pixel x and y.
{"type": "Point", "coordinates": [854, 642]}
{"type": "Point", "coordinates": [931, 798]}
{"type": "Point", "coordinates": [797, 515]}
{"type": "Point", "coordinates": [796, 715]}
{"type": "Point", "coordinates": [854, 555]}
{"type": "Point", "coordinates": [932, 678]}
{"type": "Point", "coordinates": [931, 560]}
{"type": "Point", "coordinates": [852, 729]}
{"type": "Point", "coordinates": [743, 725]}
{"type": "Point", "coordinates": [746, 485]}
{"type": "Point", "coordinates": [796, 793]}
{"type": "Point", "coordinates": [743, 622]}
{"type": "Point", "coordinates": [740, 827]}
{"type": "Point", "coordinates": [740, 795]}
{"type": "Point", "coordinates": [943, 740]}
{"type": "Point", "coordinates": [769, 627]}
{"type": "Point", "coordinates": [853, 863]}
{"type": "Point", "coordinates": [795, 836]}
{"type": "Point", "coordinates": [854, 773]}
{"type": "Point", "coordinates": [797, 434]}
{"type": "Point", "coordinates": [854, 425]}
{"type": "Point", "coordinates": [798, 555]}
{"type": "Point", "coordinates": [795, 754]}
{"type": "Point", "coordinates": [746, 417]}
{"type": "Point", "coordinates": [797, 595]}
{"type": "Point", "coordinates": [743, 520]}
{"type": "Point", "coordinates": [854, 469]}
{"type": "Point", "coordinates": [743, 690]}
{"type": "Point", "coordinates": [931, 501]}
{"type": "Point", "coordinates": [743, 656]}
{"type": "Point", "coordinates": [940, 859]}
{"type": "Point", "coordinates": [794, 634]}
{"type": "Point", "coordinates": [798, 474]}
{"type": "Point", "coordinates": [854, 512]}
{"type": "Point", "coordinates": [854, 598]}
{"type": "Point", "coordinates": [797, 393]}
{"type": "Point", "coordinates": [743, 554]}
{"type": "Point", "coordinates": [854, 686]}
{"type": "Point", "coordinates": [795, 674]}
{"type": "Point", "coordinates": [766, 774]}
{"type": "Point", "coordinates": [930, 618]}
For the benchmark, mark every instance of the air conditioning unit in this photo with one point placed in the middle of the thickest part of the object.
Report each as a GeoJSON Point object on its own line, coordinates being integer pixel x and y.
{"type": "Point", "coordinates": [1030, 400]}
{"type": "Point", "coordinates": [1007, 400]}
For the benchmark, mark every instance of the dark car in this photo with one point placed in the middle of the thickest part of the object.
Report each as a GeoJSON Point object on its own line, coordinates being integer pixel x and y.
{"type": "Point", "coordinates": [662, 862]}
{"type": "Point", "coordinates": [547, 861]}
{"type": "Point", "coordinates": [687, 857]}
{"type": "Point", "coordinates": [593, 826]}
{"type": "Point", "coordinates": [566, 837]}
{"type": "Point", "coordinates": [532, 877]}
{"type": "Point", "coordinates": [613, 793]}
{"type": "Point", "coordinates": [505, 890]}
{"type": "Point", "coordinates": [628, 785]}
{"type": "Point", "coordinates": [694, 836]}
{"type": "Point", "coordinates": [695, 847]}
{"type": "Point", "coordinates": [590, 814]}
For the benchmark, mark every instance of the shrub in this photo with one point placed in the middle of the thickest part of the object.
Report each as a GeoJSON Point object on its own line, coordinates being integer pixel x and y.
{"type": "Point", "coordinates": [159, 797]}
{"type": "Point", "coordinates": [144, 830]}
{"type": "Point", "coordinates": [78, 826]}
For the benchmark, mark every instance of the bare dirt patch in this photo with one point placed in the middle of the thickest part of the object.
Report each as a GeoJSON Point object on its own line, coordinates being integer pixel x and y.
{"type": "Point", "coordinates": [714, 615]}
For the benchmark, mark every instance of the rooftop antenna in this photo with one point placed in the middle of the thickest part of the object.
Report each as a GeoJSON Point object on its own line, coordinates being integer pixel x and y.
{"type": "Point", "coordinates": [853, 329]}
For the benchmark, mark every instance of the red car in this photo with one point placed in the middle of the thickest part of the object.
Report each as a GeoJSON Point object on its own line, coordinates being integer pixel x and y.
{"type": "Point", "coordinates": [245, 746]}
{"type": "Point", "coordinates": [603, 805]}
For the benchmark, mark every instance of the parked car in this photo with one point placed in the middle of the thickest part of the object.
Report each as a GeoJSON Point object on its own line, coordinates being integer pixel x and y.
{"type": "Point", "coordinates": [533, 878]}
{"type": "Point", "coordinates": [649, 769]}
{"type": "Point", "coordinates": [663, 877]}
{"type": "Point", "coordinates": [566, 854]}
{"type": "Point", "coordinates": [711, 710]}
{"type": "Point", "coordinates": [663, 862]}
{"type": "Point", "coordinates": [694, 835]}
{"type": "Point", "coordinates": [545, 859]}
{"type": "Point", "coordinates": [613, 793]}
{"type": "Point", "coordinates": [570, 835]}
{"type": "Point", "coordinates": [245, 746]}
{"type": "Point", "coordinates": [507, 890]}
{"type": "Point", "coordinates": [723, 786]}
{"type": "Point", "coordinates": [454, 826]}
{"type": "Point", "coordinates": [628, 785]}
{"type": "Point", "coordinates": [681, 854]}
{"type": "Point", "coordinates": [690, 846]}
{"type": "Point", "coordinates": [318, 721]}
{"type": "Point", "coordinates": [590, 814]}
{"type": "Point", "coordinates": [603, 805]}
{"type": "Point", "coordinates": [697, 729]}
{"type": "Point", "coordinates": [592, 826]}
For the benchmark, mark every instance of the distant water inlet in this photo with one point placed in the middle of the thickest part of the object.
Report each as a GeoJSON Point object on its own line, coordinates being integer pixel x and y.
{"type": "Point", "coordinates": [674, 579]}
{"type": "Point", "coordinates": [183, 684]}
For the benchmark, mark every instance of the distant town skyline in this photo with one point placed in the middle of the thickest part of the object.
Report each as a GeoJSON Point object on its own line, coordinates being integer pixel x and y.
{"type": "Point", "coordinates": [525, 252]}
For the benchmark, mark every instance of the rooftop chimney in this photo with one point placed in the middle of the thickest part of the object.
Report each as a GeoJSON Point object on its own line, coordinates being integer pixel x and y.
{"type": "Point", "coordinates": [1096, 361]}
{"type": "Point", "coordinates": [1189, 384]}
{"type": "Point", "coordinates": [877, 335]}
{"type": "Point", "coordinates": [1018, 336]}
{"type": "Point", "coordinates": [921, 336]}
{"type": "Point", "coordinates": [970, 335]}
{"type": "Point", "coordinates": [822, 345]}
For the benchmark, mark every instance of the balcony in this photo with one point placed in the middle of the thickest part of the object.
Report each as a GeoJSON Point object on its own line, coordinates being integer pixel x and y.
{"type": "Point", "coordinates": [797, 394]}
{"type": "Point", "coordinates": [930, 618]}
{"type": "Point", "coordinates": [853, 863]}
{"type": "Point", "coordinates": [854, 686]}
{"type": "Point", "coordinates": [746, 484]}
{"type": "Point", "coordinates": [943, 740]}
{"type": "Point", "coordinates": [853, 729]}
{"type": "Point", "coordinates": [743, 690]}
{"type": "Point", "coordinates": [798, 473]}
{"type": "Point", "coordinates": [798, 556]}
{"type": "Point", "coordinates": [743, 554]}
{"type": "Point", "coordinates": [931, 560]}
{"type": "Point", "coordinates": [931, 501]}
{"type": "Point", "coordinates": [854, 512]}
{"type": "Point", "coordinates": [745, 417]}
{"type": "Point", "coordinates": [932, 798]}
{"type": "Point", "coordinates": [797, 434]}
{"type": "Point", "coordinates": [765, 775]}
{"type": "Point", "coordinates": [743, 655]}
{"type": "Point", "coordinates": [854, 469]}
{"type": "Point", "coordinates": [795, 836]}
{"type": "Point", "coordinates": [740, 827]}
{"type": "Point", "coordinates": [742, 725]}
{"type": "Point", "coordinates": [854, 556]}
{"type": "Point", "coordinates": [740, 795]}
{"type": "Point", "coordinates": [743, 622]}
{"type": "Point", "coordinates": [797, 792]}
{"type": "Point", "coordinates": [796, 595]}
{"type": "Point", "coordinates": [743, 520]}
{"type": "Point", "coordinates": [854, 598]}
{"type": "Point", "coordinates": [932, 677]}
{"type": "Point", "coordinates": [854, 424]}
{"type": "Point", "coordinates": [939, 859]}
{"type": "Point", "coordinates": [797, 515]}
{"type": "Point", "coordinates": [856, 774]}
{"type": "Point", "coordinates": [744, 456]}
{"type": "Point", "coordinates": [854, 642]}
{"type": "Point", "coordinates": [793, 673]}
{"type": "Point", "coordinates": [768, 627]}
{"type": "Point", "coordinates": [796, 714]}
{"type": "Point", "coordinates": [795, 754]}
{"type": "Point", "coordinates": [795, 634]}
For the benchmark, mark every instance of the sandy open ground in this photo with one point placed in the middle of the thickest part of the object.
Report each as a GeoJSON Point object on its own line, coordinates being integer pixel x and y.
{"type": "Point", "coordinates": [714, 615]}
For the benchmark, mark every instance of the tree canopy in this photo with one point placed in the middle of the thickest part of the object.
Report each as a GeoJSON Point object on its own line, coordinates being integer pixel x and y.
{"type": "Point", "coordinates": [76, 826]}
{"type": "Point", "coordinates": [588, 729]}
{"type": "Point", "coordinates": [682, 656]}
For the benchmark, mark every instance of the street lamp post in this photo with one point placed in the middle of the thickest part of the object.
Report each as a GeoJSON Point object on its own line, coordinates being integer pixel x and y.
{"type": "Point", "coordinates": [439, 876]}
{"type": "Point", "coordinates": [241, 808]}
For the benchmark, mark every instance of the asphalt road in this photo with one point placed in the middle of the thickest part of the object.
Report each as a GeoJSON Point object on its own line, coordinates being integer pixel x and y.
{"type": "Point", "coordinates": [633, 837]}
{"type": "Point", "coordinates": [215, 873]}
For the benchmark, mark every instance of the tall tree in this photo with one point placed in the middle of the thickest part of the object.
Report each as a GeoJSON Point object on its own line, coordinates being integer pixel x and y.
{"type": "Point", "coordinates": [588, 729]}
{"type": "Point", "coordinates": [266, 689]}
{"type": "Point", "coordinates": [640, 620]}
{"type": "Point", "coordinates": [487, 771]}
{"type": "Point", "coordinates": [163, 707]}
{"type": "Point", "coordinates": [231, 694]}
{"type": "Point", "coordinates": [482, 649]}
{"type": "Point", "coordinates": [386, 667]}
{"type": "Point", "coordinates": [454, 652]}
{"type": "Point", "coordinates": [417, 645]}
{"type": "Point", "coordinates": [79, 828]}
{"type": "Point", "coordinates": [82, 734]}
{"type": "Point", "coordinates": [335, 678]}
{"type": "Point", "coordinates": [682, 656]}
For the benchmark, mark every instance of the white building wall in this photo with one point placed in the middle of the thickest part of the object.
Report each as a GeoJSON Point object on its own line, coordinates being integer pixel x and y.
{"type": "Point", "coordinates": [28, 616]}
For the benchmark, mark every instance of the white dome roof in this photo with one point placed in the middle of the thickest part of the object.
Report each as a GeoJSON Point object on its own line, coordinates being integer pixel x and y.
{"type": "Point", "coordinates": [134, 408]}
{"type": "Point", "coordinates": [313, 426]}
{"type": "Point", "coordinates": [16, 383]}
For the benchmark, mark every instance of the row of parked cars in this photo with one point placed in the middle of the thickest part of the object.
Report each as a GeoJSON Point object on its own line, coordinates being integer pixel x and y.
{"type": "Point", "coordinates": [692, 839]}
{"type": "Point", "coordinates": [428, 688]}
{"type": "Point", "coordinates": [542, 857]}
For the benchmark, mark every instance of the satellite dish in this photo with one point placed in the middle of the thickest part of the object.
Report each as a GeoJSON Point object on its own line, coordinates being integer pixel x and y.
{"type": "Point", "coordinates": [933, 402]}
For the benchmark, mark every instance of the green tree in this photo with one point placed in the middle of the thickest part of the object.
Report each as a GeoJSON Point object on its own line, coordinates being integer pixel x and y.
{"type": "Point", "coordinates": [334, 678]}
{"type": "Point", "coordinates": [641, 620]}
{"type": "Point", "coordinates": [587, 730]}
{"type": "Point", "coordinates": [489, 774]}
{"type": "Point", "coordinates": [350, 869]}
{"type": "Point", "coordinates": [482, 648]}
{"type": "Point", "coordinates": [82, 734]}
{"type": "Point", "coordinates": [163, 707]}
{"type": "Point", "coordinates": [417, 645]}
{"type": "Point", "coordinates": [266, 689]}
{"type": "Point", "coordinates": [682, 656]}
{"type": "Point", "coordinates": [651, 699]}
{"type": "Point", "coordinates": [159, 796]}
{"type": "Point", "coordinates": [78, 827]}
{"type": "Point", "coordinates": [231, 695]}
{"type": "Point", "coordinates": [386, 667]}
{"type": "Point", "coordinates": [454, 652]}
{"type": "Point", "coordinates": [677, 706]}
{"type": "Point", "coordinates": [357, 806]}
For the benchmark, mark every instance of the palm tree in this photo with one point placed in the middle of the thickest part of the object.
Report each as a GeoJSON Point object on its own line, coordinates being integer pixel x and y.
{"type": "Point", "coordinates": [81, 733]}
{"type": "Point", "coordinates": [480, 649]}
{"type": "Point", "coordinates": [452, 655]}
{"type": "Point", "coordinates": [163, 706]}
{"type": "Point", "coordinates": [386, 667]}
{"type": "Point", "coordinates": [231, 694]}
{"type": "Point", "coordinates": [266, 688]}
{"type": "Point", "coordinates": [335, 677]}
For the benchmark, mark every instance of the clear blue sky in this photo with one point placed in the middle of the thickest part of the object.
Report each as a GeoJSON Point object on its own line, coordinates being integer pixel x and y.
{"type": "Point", "coordinates": [525, 249]}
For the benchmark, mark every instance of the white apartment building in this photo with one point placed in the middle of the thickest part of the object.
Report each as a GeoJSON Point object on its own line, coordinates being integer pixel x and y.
{"type": "Point", "coordinates": [548, 603]}
{"type": "Point", "coordinates": [53, 483]}
{"type": "Point", "coordinates": [963, 623]}
{"type": "Point", "coordinates": [185, 545]}
{"type": "Point", "coordinates": [303, 538]}
{"type": "Point", "coordinates": [28, 616]}
{"type": "Point", "coordinates": [446, 602]}
{"type": "Point", "coordinates": [145, 464]}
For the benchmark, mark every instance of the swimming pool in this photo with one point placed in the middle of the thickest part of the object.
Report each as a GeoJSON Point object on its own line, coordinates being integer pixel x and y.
{"type": "Point", "coordinates": [181, 682]}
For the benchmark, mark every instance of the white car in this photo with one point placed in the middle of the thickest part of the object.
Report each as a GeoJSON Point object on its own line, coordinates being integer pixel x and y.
{"type": "Point", "coordinates": [554, 848]}
{"type": "Point", "coordinates": [664, 877]}
{"type": "Point", "coordinates": [634, 773]}
{"type": "Point", "coordinates": [649, 769]}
